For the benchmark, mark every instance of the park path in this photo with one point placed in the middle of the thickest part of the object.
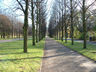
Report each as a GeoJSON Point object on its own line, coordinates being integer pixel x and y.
{"type": "Point", "coordinates": [11, 40]}
{"type": "Point", "coordinates": [88, 42]}
{"type": "Point", "coordinates": [58, 58]}
{"type": "Point", "coordinates": [81, 41]}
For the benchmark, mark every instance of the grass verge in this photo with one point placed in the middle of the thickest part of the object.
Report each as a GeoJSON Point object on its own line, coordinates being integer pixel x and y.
{"type": "Point", "coordinates": [12, 58]}
{"type": "Point", "coordinates": [89, 52]}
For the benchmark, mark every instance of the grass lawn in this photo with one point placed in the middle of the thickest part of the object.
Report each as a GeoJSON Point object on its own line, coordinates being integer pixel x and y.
{"type": "Point", "coordinates": [12, 58]}
{"type": "Point", "coordinates": [89, 52]}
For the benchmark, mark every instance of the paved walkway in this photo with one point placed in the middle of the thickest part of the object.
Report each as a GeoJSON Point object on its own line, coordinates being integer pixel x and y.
{"type": "Point", "coordinates": [3, 41]}
{"type": "Point", "coordinates": [58, 58]}
{"type": "Point", "coordinates": [88, 42]}
{"type": "Point", "coordinates": [81, 41]}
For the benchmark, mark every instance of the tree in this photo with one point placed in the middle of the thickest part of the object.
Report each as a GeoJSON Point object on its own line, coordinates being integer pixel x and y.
{"type": "Point", "coordinates": [62, 27]}
{"type": "Point", "coordinates": [84, 10]}
{"type": "Point", "coordinates": [33, 26]}
{"type": "Point", "coordinates": [72, 29]}
{"type": "Point", "coordinates": [25, 27]}
{"type": "Point", "coordinates": [65, 23]}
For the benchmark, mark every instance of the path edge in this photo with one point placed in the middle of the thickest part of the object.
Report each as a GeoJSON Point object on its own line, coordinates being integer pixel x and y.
{"type": "Point", "coordinates": [77, 52]}
{"type": "Point", "coordinates": [40, 70]}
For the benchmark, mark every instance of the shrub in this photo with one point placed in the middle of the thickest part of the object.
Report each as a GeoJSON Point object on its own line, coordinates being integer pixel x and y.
{"type": "Point", "coordinates": [81, 36]}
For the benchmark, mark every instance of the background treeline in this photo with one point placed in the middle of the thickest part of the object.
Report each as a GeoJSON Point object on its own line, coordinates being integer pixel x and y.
{"type": "Point", "coordinates": [11, 28]}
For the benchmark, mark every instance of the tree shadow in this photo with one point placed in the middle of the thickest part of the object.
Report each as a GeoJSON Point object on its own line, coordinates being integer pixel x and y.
{"type": "Point", "coordinates": [30, 57]}
{"type": "Point", "coordinates": [65, 59]}
{"type": "Point", "coordinates": [3, 60]}
{"type": "Point", "coordinates": [17, 53]}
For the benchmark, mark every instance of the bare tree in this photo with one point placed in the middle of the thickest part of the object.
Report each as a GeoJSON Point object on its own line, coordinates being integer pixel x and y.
{"type": "Point", "coordinates": [33, 26]}
{"type": "Point", "coordinates": [25, 27]}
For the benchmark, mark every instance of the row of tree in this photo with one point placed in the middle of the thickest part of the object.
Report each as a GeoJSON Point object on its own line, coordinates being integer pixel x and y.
{"type": "Point", "coordinates": [33, 9]}
{"type": "Point", "coordinates": [69, 16]}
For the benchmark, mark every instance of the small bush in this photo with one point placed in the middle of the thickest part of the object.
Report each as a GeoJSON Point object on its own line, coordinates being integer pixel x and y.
{"type": "Point", "coordinates": [81, 36]}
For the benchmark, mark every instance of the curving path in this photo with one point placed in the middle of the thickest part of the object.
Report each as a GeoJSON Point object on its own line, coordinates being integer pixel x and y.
{"type": "Point", "coordinates": [58, 58]}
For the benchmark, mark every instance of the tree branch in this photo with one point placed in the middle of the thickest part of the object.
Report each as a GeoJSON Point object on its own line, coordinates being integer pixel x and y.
{"type": "Point", "coordinates": [21, 6]}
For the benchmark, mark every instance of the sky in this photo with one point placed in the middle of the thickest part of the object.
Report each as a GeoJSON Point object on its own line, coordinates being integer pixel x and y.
{"type": "Point", "coordinates": [49, 9]}
{"type": "Point", "coordinates": [7, 9]}
{"type": "Point", "coordinates": [8, 4]}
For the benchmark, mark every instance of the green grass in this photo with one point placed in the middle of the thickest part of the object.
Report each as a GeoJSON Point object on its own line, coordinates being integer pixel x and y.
{"type": "Point", "coordinates": [12, 58]}
{"type": "Point", "coordinates": [89, 52]}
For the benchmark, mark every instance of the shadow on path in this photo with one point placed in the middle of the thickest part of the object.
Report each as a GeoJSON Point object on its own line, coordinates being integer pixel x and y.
{"type": "Point", "coordinates": [58, 58]}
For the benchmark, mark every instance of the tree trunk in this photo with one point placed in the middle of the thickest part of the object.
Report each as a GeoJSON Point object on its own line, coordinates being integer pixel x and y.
{"type": "Point", "coordinates": [59, 23]}
{"type": "Point", "coordinates": [25, 27]}
{"type": "Point", "coordinates": [65, 23]}
{"type": "Point", "coordinates": [39, 32]}
{"type": "Point", "coordinates": [72, 29]}
{"type": "Point", "coordinates": [36, 33]}
{"type": "Point", "coordinates": [65, 32]}
{"type": "Point", "coordinates": [59, 32]}
{"type": "Point", "coordinates": [33, 26]}
{"type": "Point", "coordinates": [62, 25]}
{"type": "Point", "coordinates": [84, 24]}
{"type": "Point", "coordinates": [3, 35]}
